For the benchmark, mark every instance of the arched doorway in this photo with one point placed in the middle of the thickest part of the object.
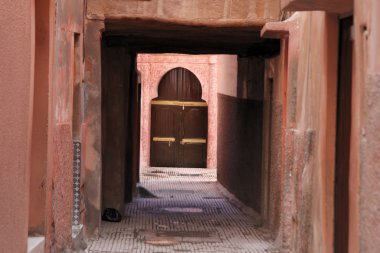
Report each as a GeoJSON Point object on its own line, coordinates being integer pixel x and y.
{"type": "Point", "coordinates": [179, 122]}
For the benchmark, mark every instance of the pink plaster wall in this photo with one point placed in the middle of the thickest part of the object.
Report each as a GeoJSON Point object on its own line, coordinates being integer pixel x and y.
{"type": "Point", "coordinates": [365, 148]}
{"type": "Point", "coordinates": [152, 69]}
{"type": "Point", "coordinates": [309, 117]}
{"type": "Point", "coordinates": [40, 119]}
{"type": "Point", "coordinates": [67, 21]}
{"type": "Point", "coordinates": [16, 90]}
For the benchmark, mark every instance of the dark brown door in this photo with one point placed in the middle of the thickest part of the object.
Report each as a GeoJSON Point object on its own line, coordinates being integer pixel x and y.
{"type": "Point", "coordinates": [179, 122]}
{"type": "Point", "coordinates": [343, 134]}
{"type": "Point", "coordinates": [193, 145]}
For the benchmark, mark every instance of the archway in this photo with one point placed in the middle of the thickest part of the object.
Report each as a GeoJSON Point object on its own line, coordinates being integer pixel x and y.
{"type": "Point", "coordinates": [179, 122]}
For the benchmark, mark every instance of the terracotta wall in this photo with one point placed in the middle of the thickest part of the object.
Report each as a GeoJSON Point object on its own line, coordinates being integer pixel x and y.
{"type": "Point", "coordinates": [152, 68]}
{"type": "Point", "coordinates": [240, 126]}
{"type": "Point", "coordinates": [16, 106]}
{"type": "Point", "coordinates": [91, 134]}
{"type": "Point", "coordinates": [273, 174]}
{"type": "Point", "coordinates": [215, 12]}
{"type": "Point", "coordinates": [309, 130]}
{"type": "Point", "coordinates": [309, 117]}
{"type": "Point", "coordinates": [365, 148]}
{"type": "Point", "coordinates": [39, 151]}
{"type": "Point", "coordinates": [65, 68]}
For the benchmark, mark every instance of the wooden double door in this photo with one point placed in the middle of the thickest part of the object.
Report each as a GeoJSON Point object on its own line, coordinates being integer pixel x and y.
{"type": "Point", "coordinates": [179, 122]}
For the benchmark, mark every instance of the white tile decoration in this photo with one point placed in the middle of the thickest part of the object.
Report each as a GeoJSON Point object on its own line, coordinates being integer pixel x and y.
{"type": "Point", "coordinates": [76, 182]}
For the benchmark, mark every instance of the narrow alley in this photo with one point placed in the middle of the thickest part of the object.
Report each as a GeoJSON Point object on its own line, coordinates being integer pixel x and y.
{"type": "Point", "coordinates": [184, 210]}
{"type": "Point", "coordinates": [151, 126]}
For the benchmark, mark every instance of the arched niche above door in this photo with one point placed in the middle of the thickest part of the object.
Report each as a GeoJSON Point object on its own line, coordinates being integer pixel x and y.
{"type": "Point", "coordinates": [180, 84]}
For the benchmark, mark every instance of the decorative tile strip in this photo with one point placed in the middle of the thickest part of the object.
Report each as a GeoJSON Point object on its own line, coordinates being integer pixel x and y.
{"type": "Point", "coordinates": [76, 182]}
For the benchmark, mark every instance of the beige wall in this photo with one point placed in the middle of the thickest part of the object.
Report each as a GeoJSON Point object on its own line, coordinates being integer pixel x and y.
{"type": "Point", "coordinates": [16, 105]}
{"type": "Point", "coordinates": [227, 74]}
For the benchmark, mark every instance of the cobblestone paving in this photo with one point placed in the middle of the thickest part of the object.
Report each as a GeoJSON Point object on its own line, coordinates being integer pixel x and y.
{"type": "Point", "coordinates": [182, 210]}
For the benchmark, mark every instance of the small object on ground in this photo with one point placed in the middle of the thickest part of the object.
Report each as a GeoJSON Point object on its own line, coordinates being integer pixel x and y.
{"type": "Point", "coordinates": [111, 215]}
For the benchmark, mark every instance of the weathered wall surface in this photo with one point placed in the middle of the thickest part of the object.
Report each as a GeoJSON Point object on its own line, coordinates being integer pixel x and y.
{"type": "Point", "coordinates": [16, 105]}
{"type": "Point", "coordinates": [91, 134]}
{"type": "Point", "coordinates": [273, 186]}
{"type": "Point", "coordinates": [198, 12]}
{"type": "Point", "coordinates": [240, 122]}
{"type": "Point", "coordinates": [153, 68]}
{"type": "Point", "coordinates": [309, 117]}
{"type": "Point", "coordinates": [59, 202]}
{"type": "Point", "coordinates": [365, 139]}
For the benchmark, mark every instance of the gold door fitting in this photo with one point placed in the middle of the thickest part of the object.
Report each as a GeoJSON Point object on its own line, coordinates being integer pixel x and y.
{"type": "Point", "coordinates": [163, 139]}
{"type": "Point", "coordinates": [183, 104]}
{"type": "Point", "coordinates": [193, 141]}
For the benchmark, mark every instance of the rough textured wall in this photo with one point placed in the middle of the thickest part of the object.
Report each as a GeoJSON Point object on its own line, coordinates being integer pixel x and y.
{"type": "Point", "coordinates": [67, 22]}
{"type": "Point", "coordinates": [309, 118]}
{"type": "Point", "coordinates": [152, 68]}
{"type": "Point", "coordinates": [63, 186]}
{"type": "Point", "coordinates": [16, 89]}
{"type": "Point", "coordinates": [198, 12]}
{"type": "Point", "coordinates": [91, 134]}
{"type": "Point", "coordinates": [273, 186]}
{"type": "Point", "coordinates": [92, 144]}
{"type": "Point", "coordinates": [365, 139]}
{"type": "Point", "coordinates": [240, 123]}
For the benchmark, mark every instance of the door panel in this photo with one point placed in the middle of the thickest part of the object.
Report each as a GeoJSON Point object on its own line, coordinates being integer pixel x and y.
{"type": "Point", "coordinates": [194, 155]}
{"type": "Point", "coordinates": [194, 138]}
{"type": "Point", "coordinates": [163, 136]}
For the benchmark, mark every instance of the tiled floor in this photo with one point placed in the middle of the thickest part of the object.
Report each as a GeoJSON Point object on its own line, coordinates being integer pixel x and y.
{"type": "Point", "coordinates": [182, 210]}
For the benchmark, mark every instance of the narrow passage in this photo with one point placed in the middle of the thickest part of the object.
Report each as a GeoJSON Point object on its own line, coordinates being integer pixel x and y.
{"type": "Point", "coordinates": [183, 210]}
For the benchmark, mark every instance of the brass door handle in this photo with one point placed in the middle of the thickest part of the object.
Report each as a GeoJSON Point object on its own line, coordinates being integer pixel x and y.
{"type": "Point", "coordinates": [169, 140]}
{"type": "Point", "coordinates": [163, 139]}
{"type": "Point", "coordinates": [193, 141]}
